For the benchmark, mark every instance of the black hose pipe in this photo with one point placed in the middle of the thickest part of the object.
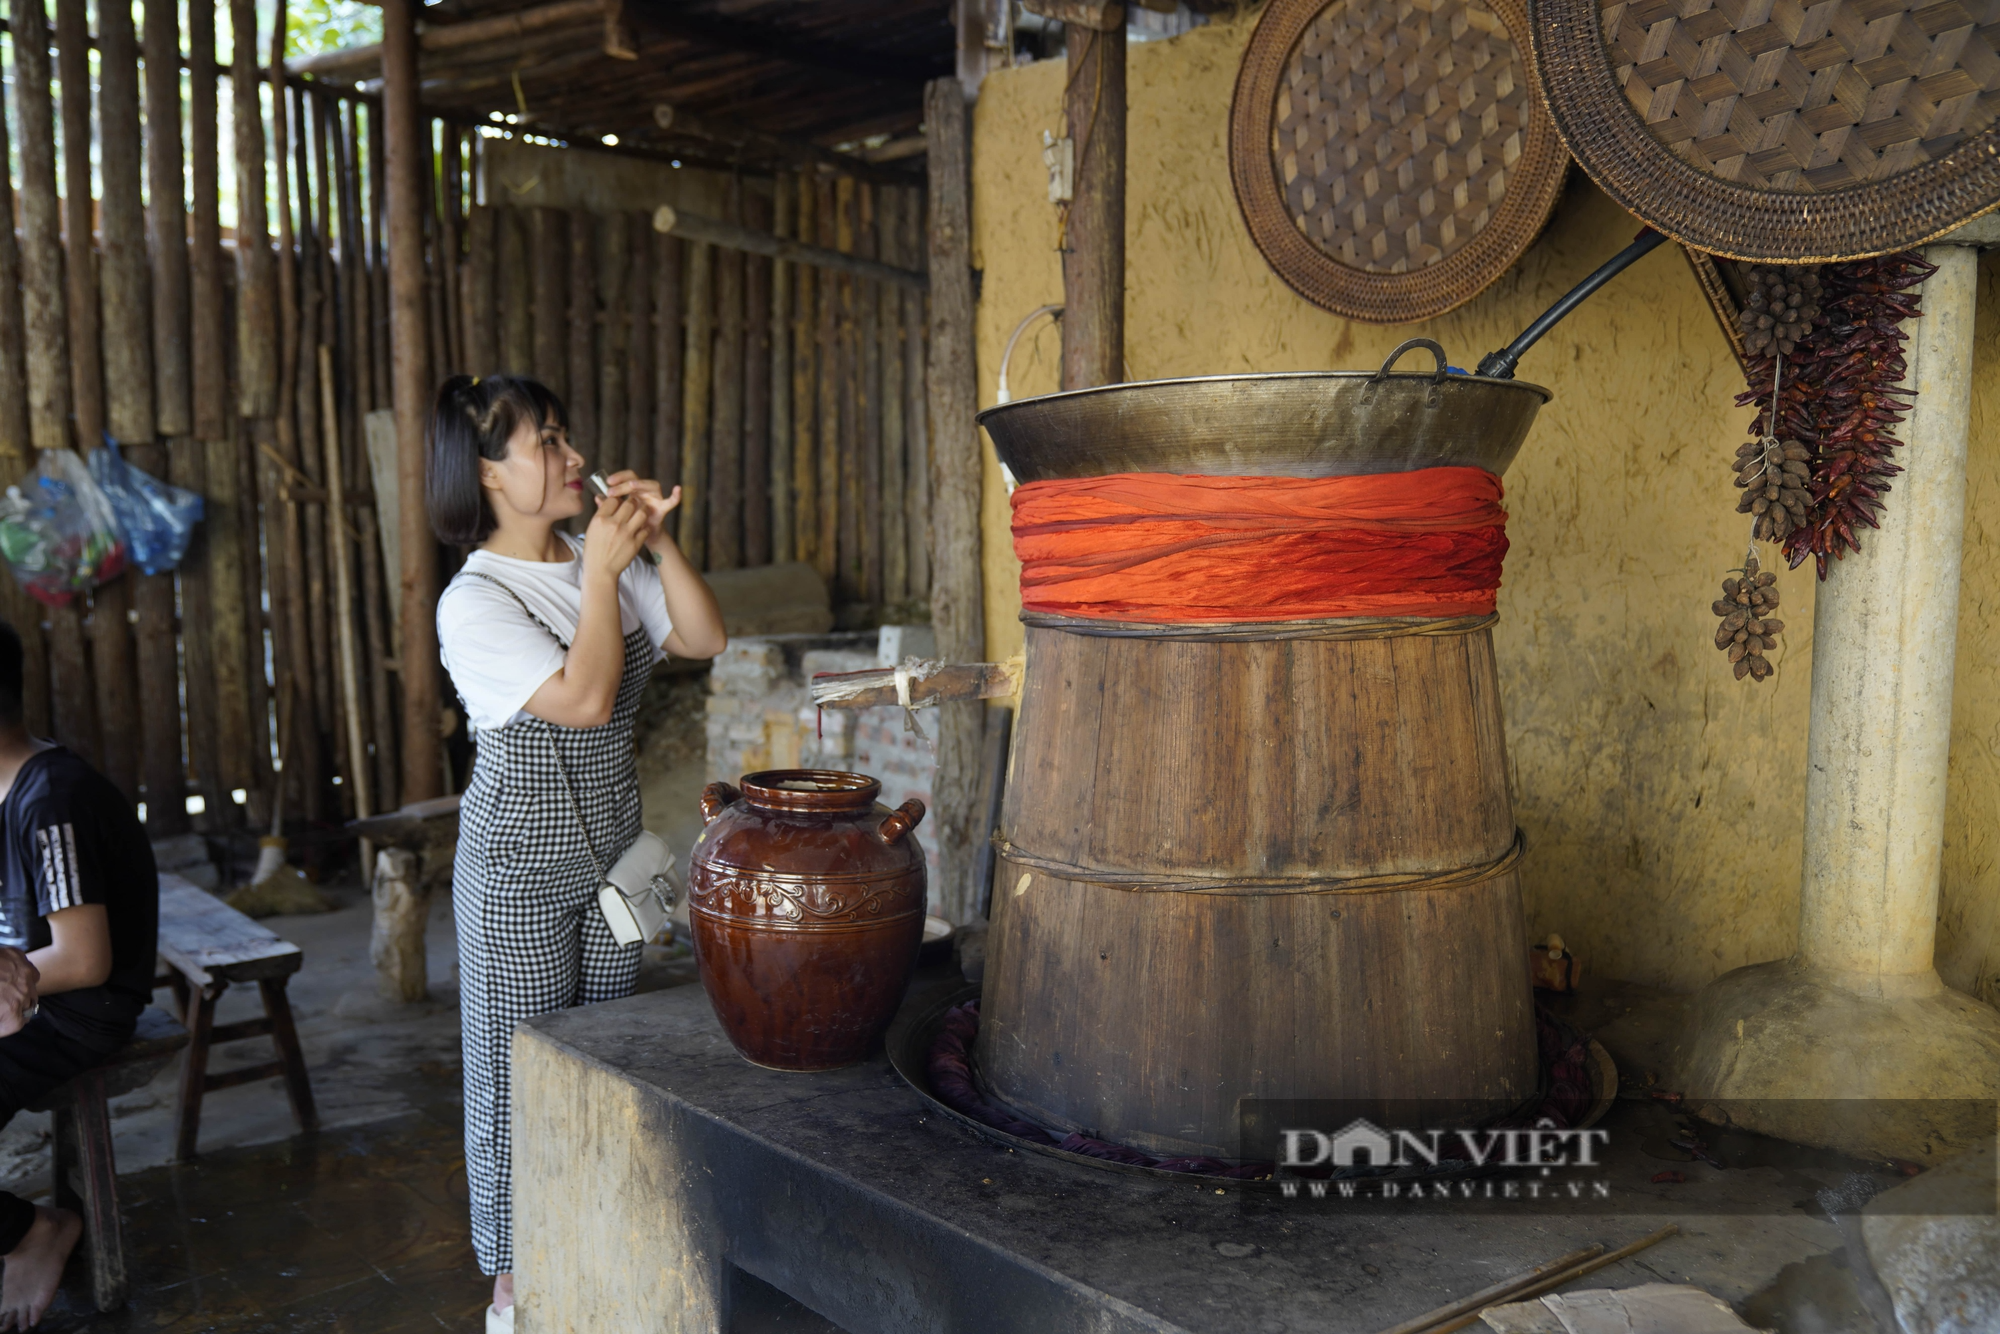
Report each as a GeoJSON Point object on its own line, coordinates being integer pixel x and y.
{"type": "Point", "coordinates": [1500, 365]}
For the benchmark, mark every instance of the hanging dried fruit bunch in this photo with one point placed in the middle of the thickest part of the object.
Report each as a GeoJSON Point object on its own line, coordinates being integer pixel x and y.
{"type": "Point", "coordinates": [1839, 388]}
{"type": "Point", "coordinates": [1747, 631]}
{"type": "Point", "coordinates": [1773, 473]}
{"type": "Point", "coordinates": [1779, 308]}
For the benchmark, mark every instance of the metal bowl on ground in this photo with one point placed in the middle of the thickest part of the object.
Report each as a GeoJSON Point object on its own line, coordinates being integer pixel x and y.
{"type": "Point", "coordinates": [1298, 424]}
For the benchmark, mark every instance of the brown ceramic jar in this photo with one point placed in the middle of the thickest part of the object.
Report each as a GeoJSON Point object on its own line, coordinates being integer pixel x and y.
{"type": "Point", "coordinates": [806, 900]}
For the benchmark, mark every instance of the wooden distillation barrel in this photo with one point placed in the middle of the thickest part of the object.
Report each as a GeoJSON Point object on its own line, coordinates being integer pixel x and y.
{"type": "Point", "coordinates": [1268, 859]}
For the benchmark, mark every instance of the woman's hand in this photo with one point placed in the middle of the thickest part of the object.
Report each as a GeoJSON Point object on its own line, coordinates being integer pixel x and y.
{"type": "Point", "coordinates": [617, 531]}
{"type": "Point", "coordinates": [629, 484]}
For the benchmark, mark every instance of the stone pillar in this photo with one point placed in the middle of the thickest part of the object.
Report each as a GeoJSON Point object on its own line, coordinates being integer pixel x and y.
{"type": "Point", "coordinates": [1796, 1048]}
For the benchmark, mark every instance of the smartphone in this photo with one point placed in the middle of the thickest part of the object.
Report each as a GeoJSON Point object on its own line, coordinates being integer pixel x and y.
{"type": "Point", "coordinates": [651, 556]}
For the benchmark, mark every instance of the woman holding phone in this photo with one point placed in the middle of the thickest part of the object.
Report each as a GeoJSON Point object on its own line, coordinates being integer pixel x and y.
{"type": "Point", "coordinates": [550, 641]}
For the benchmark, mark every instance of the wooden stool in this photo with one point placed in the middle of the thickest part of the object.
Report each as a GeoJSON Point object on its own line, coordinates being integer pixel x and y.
{"type": "Point", "coordinates": [86, 1174]}
{"type": "Point", "coordinates": [206, 945]}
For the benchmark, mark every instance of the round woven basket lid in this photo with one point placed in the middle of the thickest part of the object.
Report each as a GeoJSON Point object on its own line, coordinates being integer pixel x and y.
{"type": "Point", "coordinates": [1392, 157]}
{"type": "Point", "coordinates": [1780, 130]}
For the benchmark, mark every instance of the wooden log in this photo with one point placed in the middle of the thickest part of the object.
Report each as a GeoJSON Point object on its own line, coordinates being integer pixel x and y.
{"type": "Point", "coordinates": [826, 363]}
{"type": "Point", "coordinates": [957, 596]}
{"type": "Point", "coordinates": [549, 253]}
{"type": "Point", "coordinates": [850, 577]}
{"type": "Point", "coordinates": [166, 215]}
{"type": "Point", "coordinates": [888, 388]}
{"type": "Point", "coordinates": [757, 396]}
{"type": "Point", "coordinates": [699, 363]}
{"type": "Point", "coordinates": [516, 294]}
{"type": "Point", "coordinates": [805, 388]}
{"type": "Point", "coordinates": [725, 467]}
{"type": "Point", "coordinates": [1093, 323]}
{"type": "Point", "coordinates": [731, 235]}
{"type": "Point", "coordinates": [406, 157]}
{"type": "Point", "coordinates": [42, 303]}
{"type": "Point", "coordinates": [611, 283]}
{"type": "Point", "coordinates": [784, 543]}
{"type": "Point", "coordinates": [359, 770]}
{"type": "Point", "coordinates": [396, 941]}
{"type": "Point", "coordinates": [868, 403]}
{"type": "Point", "coordinates": [257, 342]}
{"type": "Point", "coordinates": [79, 222]}
{"type": "Point", "coordinates": [876, 687]}
{"type": "Point", "coordinates": [480, 287]}
{"type": "Point", "coordinates": [639, 345]}
{"type": "Point", "coordinates": [669, 362]}
{"type": "Point", "coordinates": [916, 423]}
{"type": "Point", "coordinates": [582, 340]}
{"type": "Point", "coordinates": [15, 444]}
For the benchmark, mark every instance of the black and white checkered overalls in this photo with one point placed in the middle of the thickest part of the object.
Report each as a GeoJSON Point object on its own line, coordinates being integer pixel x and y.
{"type": "Point", "coordinates": [530, 937]}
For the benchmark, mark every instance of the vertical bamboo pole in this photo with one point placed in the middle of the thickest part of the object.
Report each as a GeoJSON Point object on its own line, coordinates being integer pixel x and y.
{"type": "Point", "coordinates": [639, 350]}
{"type": "Point", "coordinates": [517, 297]}
{"type": "Point", "coordinates": [549, 251]}
{"type": "Point", "coordinates": [86, 366]}
{"type": "Point", "coordinates": [72, 705]}
{"type": "Point", "coordinates": [725, 466]}
{"type": "Point", "coordinates": [827, 361]}
{"type": "Point", "coordinates": [669, 358]}
{"type": "Point", "coordinates": [479, 287]}
{"type": "Point", "coordinates": [757, 392]}
{"type": "Point", "coordinates": [784, 208]}
{"type": "Point", "coordinates": [583, 332]}
{"type": "Point", "coordinates": [805, 382]}
{"type": "Point", "coordinates": [916, 415]}
{"type": "Point", "coordinates": [850, 581]}
{"type": "Point", "coordinates": [256, 280]}
{"type": "Point", "coordinates": [356, 263]}
{"type": "Point", "coordinates": [888, 390]}
{"type": "Point", "coordinates": [359, 776]}
{"type": "Point", "coordinates": [450, 198]}
{"type": "Point", "coordinates": [256, 360]}
{"type": "Point", "coordinates": [316, 687]}
{"type": "Point", "coordinates": [408, 155]}
{"type": "Point", "coordinates": [611, 281]}
{"type": "Point", "coordinates": [868, 403]}
{"type": "Point", "coordinates": [208, 376]}
{"type": "Point", "coordinates": [695, 403]}
{"type": "Point", "coordinates": [16, 449]}
{"type": "Point", "coordinates": [378, 249]}
{"type": "Point", "coordinates": [957, 594]}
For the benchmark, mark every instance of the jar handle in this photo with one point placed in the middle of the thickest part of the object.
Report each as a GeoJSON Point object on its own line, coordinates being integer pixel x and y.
{"type": "Point", "coordinates": [902, 820]}
{"type": "Point", "coordinates": [717, 797]}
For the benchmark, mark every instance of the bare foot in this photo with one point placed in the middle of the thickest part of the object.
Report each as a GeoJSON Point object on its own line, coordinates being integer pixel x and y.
{"type": "Point", "coordinates": [34, 1268]}
{"type": "Point", "coordinates": [503, 1292]}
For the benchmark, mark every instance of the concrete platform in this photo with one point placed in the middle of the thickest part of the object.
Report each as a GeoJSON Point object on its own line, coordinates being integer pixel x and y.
{"type": "Point", "coordinates": [664, 1184]}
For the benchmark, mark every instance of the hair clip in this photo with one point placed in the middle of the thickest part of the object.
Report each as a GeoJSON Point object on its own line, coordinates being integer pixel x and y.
{"type": "Point", "coordinates": [474, 384]}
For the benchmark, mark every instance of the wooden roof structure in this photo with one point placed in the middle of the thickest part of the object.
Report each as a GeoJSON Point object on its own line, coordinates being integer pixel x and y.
{"type": "Point", "coordinates": [757, 82]}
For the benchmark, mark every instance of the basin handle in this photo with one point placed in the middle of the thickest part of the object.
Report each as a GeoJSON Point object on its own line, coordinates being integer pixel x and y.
{"type": "Point", "coordinates": [1430, 345]}
{"type": "Point", "coordinates": [717, 797]}
{"type": "Point", "coordinates": [902, 820]}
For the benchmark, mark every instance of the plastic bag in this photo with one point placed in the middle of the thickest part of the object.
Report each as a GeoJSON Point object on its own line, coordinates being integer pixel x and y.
{"type": "Point", "coordinates": [60, 535]}
{"type": "Point", "coordinates": [157, 519]}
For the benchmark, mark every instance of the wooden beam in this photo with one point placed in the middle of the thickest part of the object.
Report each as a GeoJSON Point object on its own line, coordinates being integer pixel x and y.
{"type": "Point", "coordinates": [776, 148]}
{"type": "Point", "coordinates": [365, 61]}
{"type": "Point", "coordinates": [662, 18]}
{"type": "Point", "coordinates": [1093, 325]}
{"type": "Point", "coordinates": [735, 236]}
{"type": "Point", "coordinates": [957, 591]}
{"type": "Point", "coordinates": [408, 175]}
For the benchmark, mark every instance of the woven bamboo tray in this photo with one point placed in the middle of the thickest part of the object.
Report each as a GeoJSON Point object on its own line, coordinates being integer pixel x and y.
{"type": "Point", "coordinates": [1788, 132]}
{"type": "Point", "coordinates": [1392, 157]}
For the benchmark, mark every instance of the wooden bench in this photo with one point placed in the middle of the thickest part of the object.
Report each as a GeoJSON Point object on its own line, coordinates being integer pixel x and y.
{"type": "Point", "coordinates": [207, 945]}
{"type": "Point", "coordinates": [86, 1171]}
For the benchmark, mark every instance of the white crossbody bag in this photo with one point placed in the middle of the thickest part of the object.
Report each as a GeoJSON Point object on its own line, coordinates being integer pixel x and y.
{"type": "Point", "coordinates": [636, 895]}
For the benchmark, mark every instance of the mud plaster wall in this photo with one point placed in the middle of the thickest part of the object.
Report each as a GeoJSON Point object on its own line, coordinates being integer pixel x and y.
{"type": "Point", "coordinates": [1662, 799]}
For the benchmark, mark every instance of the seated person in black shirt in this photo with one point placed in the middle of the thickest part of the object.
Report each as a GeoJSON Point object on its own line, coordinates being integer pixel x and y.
{"type": "Point", "coordinates": [79, 894]}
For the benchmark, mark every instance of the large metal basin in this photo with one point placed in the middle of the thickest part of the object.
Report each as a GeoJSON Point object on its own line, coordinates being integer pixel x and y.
{"type": "Point", "coordinates": [1303, 424]}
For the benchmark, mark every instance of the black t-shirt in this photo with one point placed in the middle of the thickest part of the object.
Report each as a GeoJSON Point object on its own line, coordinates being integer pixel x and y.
{"type": "Point", "coordinates": [72, 838]}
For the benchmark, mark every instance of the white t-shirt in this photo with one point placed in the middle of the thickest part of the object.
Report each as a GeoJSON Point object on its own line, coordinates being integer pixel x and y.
{"type": "Point", "coordinates": [498, 658]}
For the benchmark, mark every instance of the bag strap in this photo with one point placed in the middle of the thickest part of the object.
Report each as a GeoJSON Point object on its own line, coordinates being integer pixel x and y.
{"type": "Point", "coordinates": [525, 609]}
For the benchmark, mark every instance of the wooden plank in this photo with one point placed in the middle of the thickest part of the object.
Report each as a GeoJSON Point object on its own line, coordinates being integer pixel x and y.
{"type": "Point", "coordinates": [80, 268]}
{"type": "Point", "coordinates": [406, 175]}
{"type": "Point", "coordinates": [805, 388]}
{"type": "Point", "coordinates": [200, 935]}
{"type": "Point", "coordinates": [868, 403]}
{"type": "Point", "coordinates": [957, 601]}
{"type": "Point", "coordinates": [888, 388]}
{"type": "Point", "coordinates": [549, 254]}
{"type": "Point", "coordinates": [826, 553]}
{"type": "Point", "coordinates": [669, 362]}
{"type": "Point", "coordinates": [166, 215]}
{"type": "Point", "coordinates": [516, 294]}
{"type": "Point", "coordinates": [582, 342]}
{"type": "Point", "coordinates": [126, 276]}
{"type": "Point", "coordinates": [757, 396]}
{"type": "Point", "coordinates": [611, 283]}
{"type": "Point", "coordinates": [699, 366]}
{"type": "Point", "coordinates": [257, 342]}
{"type": "Point", "coordinates": [480, 286]}
{"type": "Point", "coordinates": [639, 345]}
{"type": "Point", "coordinates": [784, 543]}
{"type": "Point", "coordinates": [916, 424]}
{"type": "Point", "coordinates": [15, 445]}
{"type": "Point", "coordinates": [725, 487]}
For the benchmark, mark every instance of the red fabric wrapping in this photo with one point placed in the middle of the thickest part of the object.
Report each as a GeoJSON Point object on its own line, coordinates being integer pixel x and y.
{"type": "Point", "coordinates": [1162, 548]}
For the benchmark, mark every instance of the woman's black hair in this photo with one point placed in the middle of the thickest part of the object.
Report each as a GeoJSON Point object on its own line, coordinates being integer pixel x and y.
{"type": "Point", "coordinates": [474, 419]}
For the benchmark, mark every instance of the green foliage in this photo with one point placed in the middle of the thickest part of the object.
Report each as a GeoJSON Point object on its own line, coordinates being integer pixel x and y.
{"type": "Point", "coordinates": [313, 26]}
